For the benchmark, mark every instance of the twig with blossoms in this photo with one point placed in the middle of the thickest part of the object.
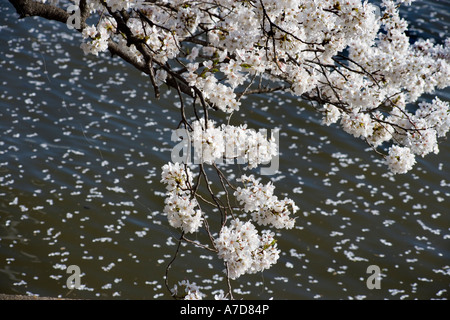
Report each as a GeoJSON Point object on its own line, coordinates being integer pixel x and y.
{"type": "Point", "coordinates": [336, 55]}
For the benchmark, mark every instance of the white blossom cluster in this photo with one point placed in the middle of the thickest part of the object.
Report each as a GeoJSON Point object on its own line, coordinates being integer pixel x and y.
{"type": "Point", "coordinates": [414, 134]}
{"type": "Point", "coordinates": [422, 129]}
{"type": "Point", "coordinates": [400, 159]}
{"type": "Point", "coordinates": [437, 115]}
{"type": "Point", "coordinates": [299, 43]}
{"type": "Point", "coordinates": [244, 250]}
{"type": "Point", "coordinates": [187, 290]}
{"type": "Point", "coordinates": [98, 36]}
{"type": "Point", "coordinates": [181, 207]}
{"type": "Point", "coordinates": [356, 62]}
{"type": "Point", "coordinates": [264, 206]}
{"type": "Point", "coordinates": [213, 144]}
{"type": "Point", "coordinates": [220, 95]}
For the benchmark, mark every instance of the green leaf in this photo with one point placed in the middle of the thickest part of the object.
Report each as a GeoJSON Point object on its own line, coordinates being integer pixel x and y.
{"type": "Point", "coordinates": [246, 65]}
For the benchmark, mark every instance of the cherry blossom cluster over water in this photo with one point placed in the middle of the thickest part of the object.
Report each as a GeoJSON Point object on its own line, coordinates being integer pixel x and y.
{"type": "Point", "coordinates": [354, 63]}
{"type": "Point", "coordinates": [301, 45]}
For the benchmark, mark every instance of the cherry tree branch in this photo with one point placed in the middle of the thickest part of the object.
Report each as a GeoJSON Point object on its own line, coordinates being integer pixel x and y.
{"type": "Point", "coordinates": [31, 8]}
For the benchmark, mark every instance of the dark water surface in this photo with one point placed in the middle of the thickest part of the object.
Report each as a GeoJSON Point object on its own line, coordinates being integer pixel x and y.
{"type": "Point", "coordinates": [82, 141]}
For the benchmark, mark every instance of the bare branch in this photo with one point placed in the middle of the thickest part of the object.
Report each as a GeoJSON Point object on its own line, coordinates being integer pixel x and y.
{"type": "Point", "coordinates": [30, 8]}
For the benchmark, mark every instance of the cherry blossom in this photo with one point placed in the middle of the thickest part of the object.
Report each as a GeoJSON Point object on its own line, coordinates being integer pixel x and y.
{"type": "Point", "coordinates": [352, 61]}
{"type": "Point", "coordinates": [243, 250]}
